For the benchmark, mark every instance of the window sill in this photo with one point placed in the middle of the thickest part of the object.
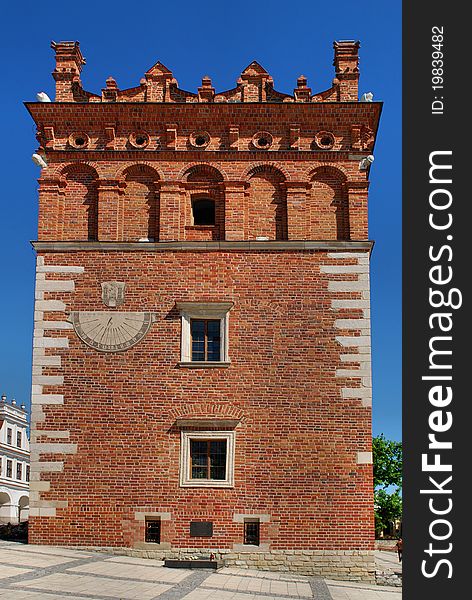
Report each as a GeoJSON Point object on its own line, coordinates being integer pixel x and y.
{"type": "Point", "coordinates": [204, 364]}
{"type": "Point", "coordinates": [207, 484]}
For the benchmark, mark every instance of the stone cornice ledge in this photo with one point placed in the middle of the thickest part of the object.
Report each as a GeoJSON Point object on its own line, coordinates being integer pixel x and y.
{"type": "Point", "coordinates": [203, 246]}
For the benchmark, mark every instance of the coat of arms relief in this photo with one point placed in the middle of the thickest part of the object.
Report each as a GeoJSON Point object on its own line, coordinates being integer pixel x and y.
{"type": "Point", "coordinates": [113, 293]}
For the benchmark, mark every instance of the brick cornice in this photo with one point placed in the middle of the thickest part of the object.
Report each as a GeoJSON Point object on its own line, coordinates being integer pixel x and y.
{"type": "Point", "coordinates": [253, 245]}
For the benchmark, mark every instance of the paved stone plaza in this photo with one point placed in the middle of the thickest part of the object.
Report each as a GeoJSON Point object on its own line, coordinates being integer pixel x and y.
{"type": "Point", "coordinates": [51, 573]}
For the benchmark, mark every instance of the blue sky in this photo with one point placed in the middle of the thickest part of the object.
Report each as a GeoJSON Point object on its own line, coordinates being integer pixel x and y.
{"type": "Point", "coordinates": [220, 39]}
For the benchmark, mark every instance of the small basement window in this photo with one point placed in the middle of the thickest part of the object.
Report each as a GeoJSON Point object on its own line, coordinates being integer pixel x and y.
{"type": "Point", "coordinates": [153, 530]}
{"type": "Point", "coordinates": [203, 212]}
{"type": "Point", "coordinates": [252, 532]}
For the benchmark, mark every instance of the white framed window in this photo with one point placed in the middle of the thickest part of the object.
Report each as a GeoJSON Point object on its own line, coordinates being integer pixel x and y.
{"type": "Point", "coordinates": [204, 334]}
{"type": "Point", "coordinates": [207, 459]}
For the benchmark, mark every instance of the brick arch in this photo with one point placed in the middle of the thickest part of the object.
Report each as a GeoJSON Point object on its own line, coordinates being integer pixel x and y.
{"type": "Point", "coordinates": [58, 170]}
{"type": "Point", "coordinates": [79, 214]}
{"type": "Point", "coordinates": [328, 204]}
{"type": "Point", "coordinates": [140, 203]}
{"type": "Point", "coordinates": [150, 167]}
{"type": "Point", "coordinates": [261, 167]}
{"type": "Point", "coordinates": [208, 171]}
{"type": "Point", "coordinates": [267, 203]}
{"type": "Point", "coordinates": [206, 410]}
{"type": "Point", "coordinates": [337, 169]}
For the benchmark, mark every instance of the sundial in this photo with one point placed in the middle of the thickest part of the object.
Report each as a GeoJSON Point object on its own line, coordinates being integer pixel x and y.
{"type": "Point", "coordinates": [109, 331]}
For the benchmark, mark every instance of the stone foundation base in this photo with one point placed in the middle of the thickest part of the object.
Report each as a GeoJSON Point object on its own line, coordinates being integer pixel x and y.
{"type": "Point", "coordinates": [347, 565]}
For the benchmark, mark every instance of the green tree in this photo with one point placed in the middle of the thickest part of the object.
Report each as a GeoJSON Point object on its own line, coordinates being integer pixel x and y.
{"type": "Point", "coordinates": [388, 467]}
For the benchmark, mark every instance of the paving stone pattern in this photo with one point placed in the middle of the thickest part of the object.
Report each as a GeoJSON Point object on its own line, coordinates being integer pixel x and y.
{"type": "Point", "coordinates": [42, 572]}
{"type": "Point", "coordinates": [52, 573]}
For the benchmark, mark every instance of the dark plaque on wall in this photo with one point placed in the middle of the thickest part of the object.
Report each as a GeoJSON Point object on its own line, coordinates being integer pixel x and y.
{"type": "Point", "coordinates": [201, 529]}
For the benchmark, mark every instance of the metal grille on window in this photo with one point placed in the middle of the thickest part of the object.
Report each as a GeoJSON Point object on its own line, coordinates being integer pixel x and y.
{"type": "Point", "coordinates": [252, 533]}
{"type": "Point", "coordinates": [206, 341]}
{"type": "Point", "coordinates": [208, 459]}
{"type": "Point", "coordinates": [153, 531]}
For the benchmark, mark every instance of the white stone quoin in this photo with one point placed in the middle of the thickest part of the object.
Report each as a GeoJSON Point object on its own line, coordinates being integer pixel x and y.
{"type": "Point", "coordinates": [14, 462]}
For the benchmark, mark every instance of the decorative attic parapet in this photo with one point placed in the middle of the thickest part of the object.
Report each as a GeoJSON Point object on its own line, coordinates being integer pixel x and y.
{"type": "Point", "coordinates": [159, 84]}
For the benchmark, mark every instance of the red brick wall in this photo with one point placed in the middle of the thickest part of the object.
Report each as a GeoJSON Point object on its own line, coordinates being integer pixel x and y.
{"type": "Point", "coordinates": [297, 442]}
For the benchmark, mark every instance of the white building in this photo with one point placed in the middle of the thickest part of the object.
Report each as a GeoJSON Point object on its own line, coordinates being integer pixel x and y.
{"type": "Point", "coordinates": [14, 462]}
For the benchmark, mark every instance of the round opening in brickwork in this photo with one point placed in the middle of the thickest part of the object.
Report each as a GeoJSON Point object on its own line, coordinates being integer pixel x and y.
{"type": "Point", "coordinates": [262, 140]}
{"type": "Point", "coordinates": [79, 140]}
{"type": "Point", "coordinates": [199, 139]}
{"type": "Point", "coordinates": [325, 140]}
{"type": "Point", "coordinates": [139, 140]}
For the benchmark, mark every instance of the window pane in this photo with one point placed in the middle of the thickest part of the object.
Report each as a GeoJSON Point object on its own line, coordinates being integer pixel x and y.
{"type": "Point", "coordinates": [198, 339]}
{"type": "Point", "coordinates": [213, 332]}
{"type": "Point", "coordinates": [218, 448]}
{"type": "Point", "coordinates": [218, 473]}
{"type": "Point", "coordinates": [218, 459]}
{"type": "Point", "coordinates": [198, 446]}
{"type": "Point", "coordinates": [199, 458]}
{"type": "Point", "coordinates": [199, 472]}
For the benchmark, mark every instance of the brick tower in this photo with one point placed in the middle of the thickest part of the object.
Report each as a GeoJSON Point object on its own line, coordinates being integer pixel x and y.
{"type": "Point", "coordinates": [201, 370]}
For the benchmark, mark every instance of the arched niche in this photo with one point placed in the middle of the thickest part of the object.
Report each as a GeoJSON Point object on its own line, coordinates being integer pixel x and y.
{"type": "Point", "coordinates": [267, 204]}
{"type": "Point", "coordinates": [80, 203]}
{"type": "Point", "coordinates": [328, 205]}
{"type": "Point", "coordinates": [203, 186]}
{"type": "Point", "coordinates": [141, 204]}
{"type": "Point", "coordinates": [202, 172]}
